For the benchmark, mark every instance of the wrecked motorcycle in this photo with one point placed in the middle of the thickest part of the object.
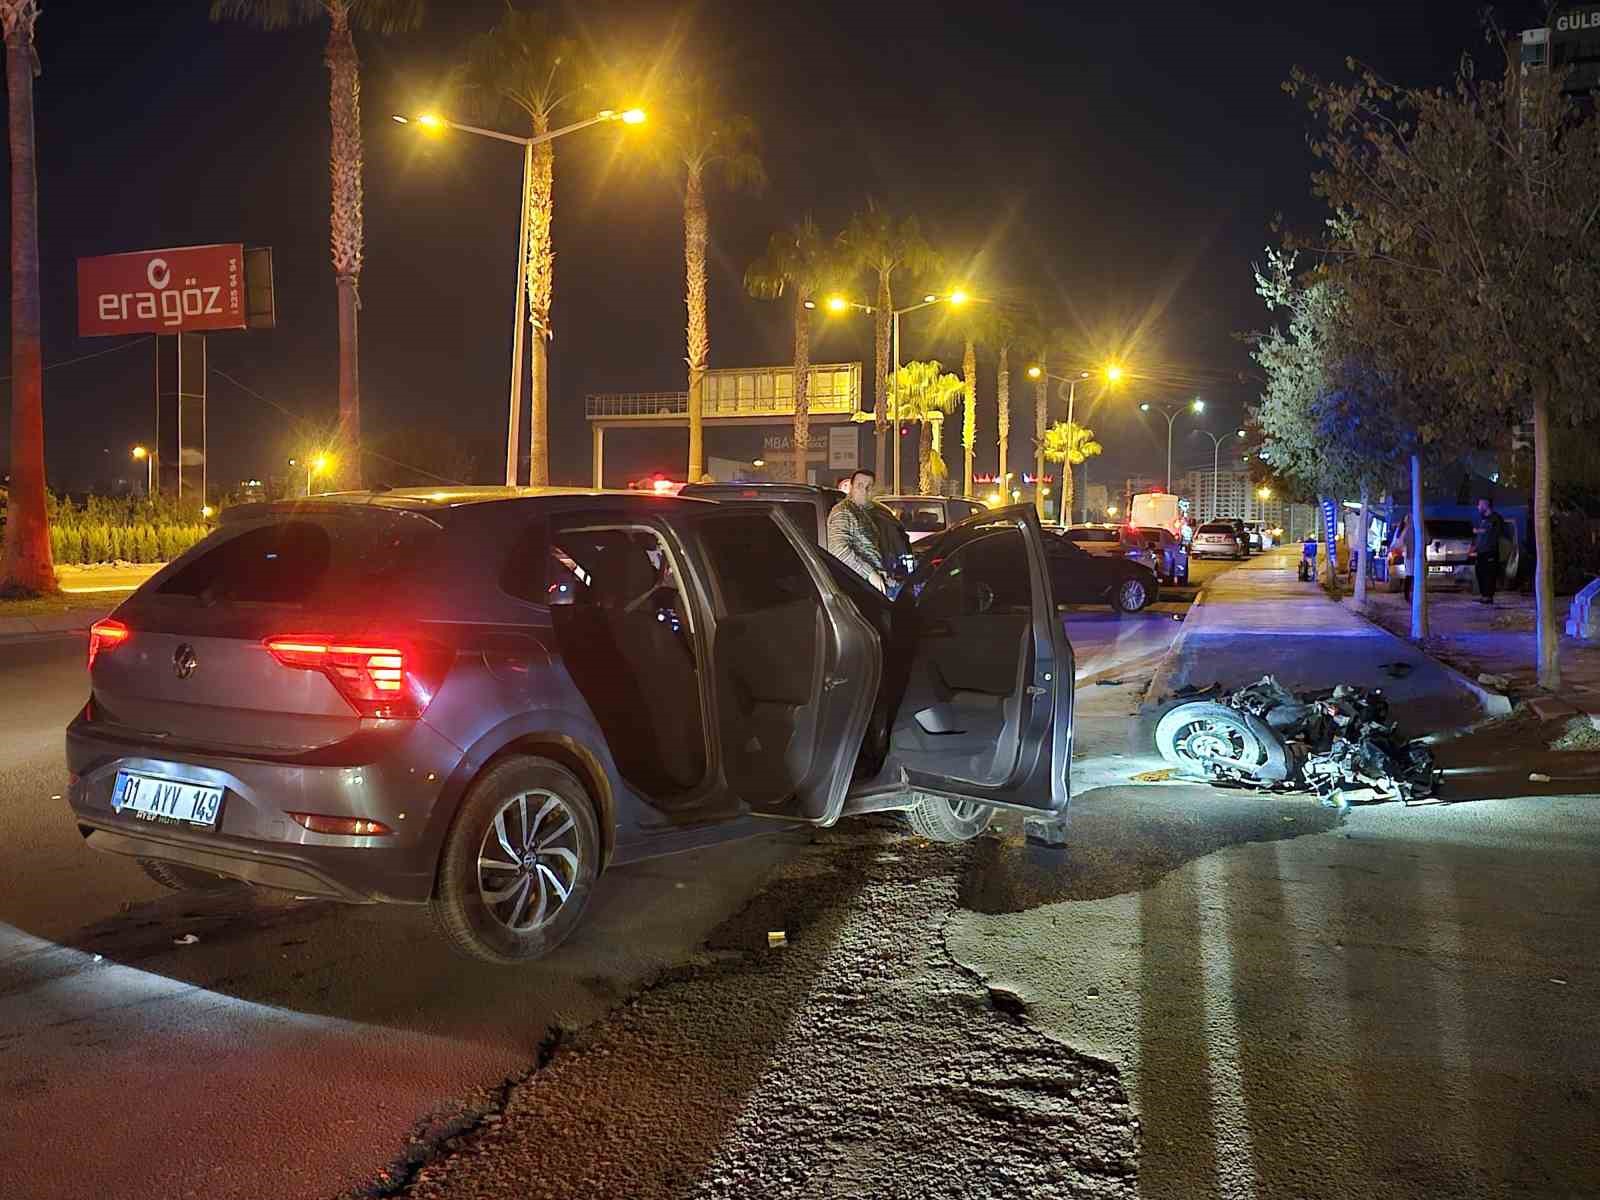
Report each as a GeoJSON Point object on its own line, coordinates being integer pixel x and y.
{"type": "Point", "coordinates": [1338, 743]}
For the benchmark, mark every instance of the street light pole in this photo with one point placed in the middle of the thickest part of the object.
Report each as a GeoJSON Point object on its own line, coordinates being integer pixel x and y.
{"type": "Point", "coordinates": [632, 116]}
{"type": "Point", "coordinates": [839, 303]}
{"type": "Point", "coordinates": [1171, 414]}
{"type": "Point", "coordinates": [149, 469]}
{"type": "Point", "coordinates": [1216, 455]}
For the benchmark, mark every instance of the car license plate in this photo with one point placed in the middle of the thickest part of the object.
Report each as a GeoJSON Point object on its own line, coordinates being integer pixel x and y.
{"type": "Point", "coordinates": [1440, 570]}
{"type": "Point", "coordinates": [156, 799]}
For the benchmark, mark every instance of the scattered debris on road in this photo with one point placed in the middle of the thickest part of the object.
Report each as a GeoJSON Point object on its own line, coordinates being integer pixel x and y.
{"type": "Point", "coordinates": [777, 938]}
{"type": "Point", "coordinates": [1579, 734]}
{"type": "Point", "coordinates": [1498, 682]}
{"type": "Point", "coordinates": [1154, 776]}
{"type": "Point", "coordinates": [1337, 743]}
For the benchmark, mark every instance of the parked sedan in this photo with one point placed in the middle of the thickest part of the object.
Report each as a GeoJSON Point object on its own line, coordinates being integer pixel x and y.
{"type": "Point", "coordinates": [1171, 556]}
{"type": "Point", "coordinates": [1218, 539]}
{"type": "Point", "coordinates": [1112, 541]}
{"type": "Point", "coordinates": [1080, 577]}
{"type": "Point", "coordinates": [924, 516]}
{"type": "Point", "coordinates": [477, 700]}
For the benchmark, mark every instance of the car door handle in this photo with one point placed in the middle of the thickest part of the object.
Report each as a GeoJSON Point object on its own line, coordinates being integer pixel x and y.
{"type": "Point", "coordinates": [833, 681]}
{"type": "Point", "coordinates": [1034, 690]}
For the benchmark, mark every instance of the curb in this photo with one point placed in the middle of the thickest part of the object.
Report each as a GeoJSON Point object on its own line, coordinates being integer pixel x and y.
{"type": "Point", "coordinates": [14, 628]}
{"type": "Point", "coordinates": [1495, 704]}
{"type": "Point", "coordinates": [1157, 692]}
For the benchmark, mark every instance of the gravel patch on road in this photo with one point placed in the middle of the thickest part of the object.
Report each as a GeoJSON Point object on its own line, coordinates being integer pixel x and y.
{"type": "Point", "coordinates": [857, 1059]}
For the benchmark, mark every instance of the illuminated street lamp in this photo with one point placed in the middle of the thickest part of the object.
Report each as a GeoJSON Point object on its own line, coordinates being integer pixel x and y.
{"type": "Point", "coordinates": [316, 464]}
{"type": "Point", "coordinates": [140, 454]}
{"type": "Point", "coordinates": [1216, 454]}
{"type": "Point", "coordinates": [1067, 389]}
{"type": "Point", "coordinates": [432, 123]}
{"type": "Point", "coordinates": [955, 299]}
{"type": "Point", "coordinates": [1171, 413]}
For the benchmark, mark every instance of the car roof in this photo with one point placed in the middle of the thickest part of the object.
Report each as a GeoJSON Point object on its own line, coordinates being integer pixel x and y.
{"type": "Point", "coordinates": [757, 488]}
{"type": "Point", "coordinates": [908, 497]}
{"type": "Point", "coordinates": [425, 500]}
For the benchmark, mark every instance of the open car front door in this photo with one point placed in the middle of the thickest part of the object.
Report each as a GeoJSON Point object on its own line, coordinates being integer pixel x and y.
{"type": "Point", "coordinates": [978, 678]}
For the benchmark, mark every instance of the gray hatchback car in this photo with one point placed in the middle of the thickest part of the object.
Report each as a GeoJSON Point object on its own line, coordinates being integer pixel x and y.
{"type": "Point", "coordinates": [477, 700]}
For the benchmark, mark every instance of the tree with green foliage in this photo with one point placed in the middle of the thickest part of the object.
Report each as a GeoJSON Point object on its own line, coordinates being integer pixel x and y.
{"type": "Point", "coordinates": [1328, 422]}
{"type": "Point", "coordinates": [921, 394]}
{"type": "Point", "coordinates": [1462, 239]}
{"type": "Point", "coordinates": [1071, 445]}
{"type": "Point", "coordinates": [799, 263]}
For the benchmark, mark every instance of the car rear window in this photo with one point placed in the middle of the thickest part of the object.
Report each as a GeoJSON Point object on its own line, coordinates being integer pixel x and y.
{"type": "Point", "coordinates": [927, 517]}
{"type": "Point", "coordinates": [1094, 535]}
{"type": "Point", "coordinates": [1449, 529]}
{"type": "Point", "coordinates": [300, 559]}
{"type": "Point", "coordinates": [803, 514]}
{"type": "Point", "coordinates": [1217, 527]}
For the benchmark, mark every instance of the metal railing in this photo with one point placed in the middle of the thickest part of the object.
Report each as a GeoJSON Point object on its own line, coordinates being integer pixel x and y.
{"type": "Point", "coordinates": [741, 392]}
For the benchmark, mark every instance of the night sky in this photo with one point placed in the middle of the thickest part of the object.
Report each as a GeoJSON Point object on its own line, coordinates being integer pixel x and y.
{"type": "Point", "coordinates": [1121, 162]}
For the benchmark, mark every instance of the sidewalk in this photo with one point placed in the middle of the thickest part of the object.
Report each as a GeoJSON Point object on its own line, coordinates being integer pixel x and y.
{"type": "Point", "coordinates": [1257, 619]}
{"type": "Point", "coordinates": [1478, 639]}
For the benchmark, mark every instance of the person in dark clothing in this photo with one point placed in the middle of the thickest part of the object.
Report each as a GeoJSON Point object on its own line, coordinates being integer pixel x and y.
{"type": "Point", "coordinates": [1489, 531]}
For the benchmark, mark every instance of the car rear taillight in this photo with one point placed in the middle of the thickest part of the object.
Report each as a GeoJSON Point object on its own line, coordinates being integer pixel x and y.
{"type": "Point", "coordinates": [380, 677]}
{"type": "Point", "coordinates": [104, 636]}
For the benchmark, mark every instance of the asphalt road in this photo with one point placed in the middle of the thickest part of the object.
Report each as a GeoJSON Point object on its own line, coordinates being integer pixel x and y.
{"type": "Point", "coordinates": [303, 1049]}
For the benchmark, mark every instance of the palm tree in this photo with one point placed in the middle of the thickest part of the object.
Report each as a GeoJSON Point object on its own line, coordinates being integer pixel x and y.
{"type": "Point", "coordinates": [1070, 444]}
{"type": "Point", "coordinates": [527, 65]}
{"type": "Point", "coordinates": [1038, 335]}
{"type": "Point", "coordinates": [799, 262]}
{"type": "Point", "coordinates": [877, 240]}
{"type": "Point", "coordinates": [1004, 329]}
{"type": "Point", "coordinates": [344, 164]}
{"type": "Point", "coordinates": [921, 394]}
{"type": "Point", "coordinates": [28, 567]}
{"type": "Point", "coordinates": [705, 139]}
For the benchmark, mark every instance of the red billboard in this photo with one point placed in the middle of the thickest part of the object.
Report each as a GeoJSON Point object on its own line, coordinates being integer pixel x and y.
{"type": "Point", "coordinates": [186, 289]}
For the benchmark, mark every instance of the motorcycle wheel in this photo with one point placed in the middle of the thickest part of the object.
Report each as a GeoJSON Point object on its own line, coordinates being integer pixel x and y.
{"type": "Point", "coordinates": [1192, 735]}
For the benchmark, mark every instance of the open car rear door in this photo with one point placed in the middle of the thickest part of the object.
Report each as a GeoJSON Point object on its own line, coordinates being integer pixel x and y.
{"type": "Point", "coordinates": [794, 665]}
{"type": "Point", "coordinates": [979, 674]}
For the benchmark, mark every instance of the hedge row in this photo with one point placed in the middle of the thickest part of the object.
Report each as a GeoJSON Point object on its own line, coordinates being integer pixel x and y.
{"type": "Point", "coordinates": [103, 529]}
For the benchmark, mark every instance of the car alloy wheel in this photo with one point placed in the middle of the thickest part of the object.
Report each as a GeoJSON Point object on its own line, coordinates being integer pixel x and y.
{"type": "Point", "coordinates": [528, 860]}
{"type": "Point", "coordinates": [519, 862]}
{"type": "Point", "coordinates": [942, 819]}
{"type": "Point", "coordinates": [1131, 595]}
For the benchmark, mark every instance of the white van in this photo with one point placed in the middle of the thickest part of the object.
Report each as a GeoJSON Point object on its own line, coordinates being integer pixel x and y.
{"type": "Point", "coordinates": [1157, 510]}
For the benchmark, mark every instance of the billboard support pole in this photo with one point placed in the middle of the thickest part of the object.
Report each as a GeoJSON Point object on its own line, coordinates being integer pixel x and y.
{"type": "Point", "coordinates": [153, 476]}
